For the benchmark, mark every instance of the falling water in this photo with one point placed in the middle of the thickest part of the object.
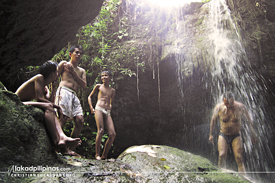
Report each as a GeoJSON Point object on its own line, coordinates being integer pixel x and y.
{"type": "Point", "coordinates": [231, 71]}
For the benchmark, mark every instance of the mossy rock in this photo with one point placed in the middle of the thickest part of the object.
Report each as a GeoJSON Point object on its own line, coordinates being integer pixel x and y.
{"type": "Point", "coordinates": [24, 139]}
{"type": "Point", "coordinates": [146, 163]}
{"type": "Point", "coordinates": [2, 87]}
{"type": "Point", "coordinates": [168, 164]}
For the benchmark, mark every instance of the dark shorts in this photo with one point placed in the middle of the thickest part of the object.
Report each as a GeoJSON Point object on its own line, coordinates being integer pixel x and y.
{"type": "Point", "coordinates": [229, 138]}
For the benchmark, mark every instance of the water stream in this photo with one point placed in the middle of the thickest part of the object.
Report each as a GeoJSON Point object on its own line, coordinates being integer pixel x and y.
{"type": "Point", "coordinates": [231, 71]}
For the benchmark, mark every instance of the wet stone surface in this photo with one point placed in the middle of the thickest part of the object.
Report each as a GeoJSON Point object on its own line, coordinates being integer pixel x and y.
{"type": "Point", "coordinates": [146, 163]}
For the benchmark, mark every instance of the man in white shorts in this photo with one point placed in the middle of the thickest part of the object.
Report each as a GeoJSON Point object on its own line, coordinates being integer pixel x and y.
{"type": "Point", "coordinates": [67, 99]}
{"type": "Point", "coordinates": [72, 77]}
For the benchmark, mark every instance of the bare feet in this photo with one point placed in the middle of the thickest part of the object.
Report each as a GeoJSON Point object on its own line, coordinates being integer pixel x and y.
{"type": "Point", "coordinates": [98, 157]}
{"type": "Point", "coordinates": [69, 142]}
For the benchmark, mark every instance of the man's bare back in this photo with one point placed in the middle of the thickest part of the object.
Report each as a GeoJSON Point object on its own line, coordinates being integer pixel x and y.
{"type": "Point", "coordinates": [31, 89]}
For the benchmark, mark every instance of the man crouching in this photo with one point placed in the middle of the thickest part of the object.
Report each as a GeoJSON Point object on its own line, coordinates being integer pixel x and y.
{"type": "Point", "coordinates": [36, 89]}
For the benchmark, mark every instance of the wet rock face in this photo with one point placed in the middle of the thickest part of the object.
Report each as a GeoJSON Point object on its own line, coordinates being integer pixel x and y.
{"type": "Point", "coordinates": [256, 20]}
{"type": "Point", "coordinates": [24, 139]}
{"type": "Point", "coordinates": [33, 31]}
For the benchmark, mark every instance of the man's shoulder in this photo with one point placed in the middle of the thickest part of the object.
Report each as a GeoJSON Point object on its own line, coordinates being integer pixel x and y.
{"type": "Point", "coordinates": [240, 105]}
{"type": "Point", "coordinates": [80, 68]}
{"type": "Point", "coordinates": [219, 105]}
{"type": "Point", "coordinates": [37, 77]}
{"type": "Point", "coordinates": [97, 86]}
{"type": "Point", "coordinates": [61, 63]}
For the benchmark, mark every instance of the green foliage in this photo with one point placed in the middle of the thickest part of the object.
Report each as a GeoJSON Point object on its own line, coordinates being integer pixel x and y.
{"type": "Point", "coordinates": [110, 43]}
{"type": "Point", "coordinates": [102, 42]}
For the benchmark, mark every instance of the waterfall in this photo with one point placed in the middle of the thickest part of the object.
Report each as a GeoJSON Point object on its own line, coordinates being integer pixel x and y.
{"type": "Point", "coordinates": [231, 71]}
{"type": "Point", "coordinates": [204, 45]}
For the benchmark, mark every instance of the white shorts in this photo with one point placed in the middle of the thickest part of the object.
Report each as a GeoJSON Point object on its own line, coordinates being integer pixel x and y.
{"type": "Point", "coordinates": [104, 111]}
{"type": "Point", "coordinates": [69, 103]}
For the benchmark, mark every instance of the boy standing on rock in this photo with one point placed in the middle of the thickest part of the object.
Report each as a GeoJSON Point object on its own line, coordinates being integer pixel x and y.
{"type": "Point", "coordinates": [102, 112]}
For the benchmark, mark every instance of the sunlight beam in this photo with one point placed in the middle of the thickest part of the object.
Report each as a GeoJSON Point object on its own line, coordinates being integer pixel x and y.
{"type": "Point", "coordinates": [169, 3]}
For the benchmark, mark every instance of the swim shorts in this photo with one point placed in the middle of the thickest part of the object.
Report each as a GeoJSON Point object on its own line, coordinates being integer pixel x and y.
{"type": "Point", "coordinates": [69, 103]}
{"type": "Point", "coordinates": [104, 111]}
{"type": "Point", "coordinates": [229, 138]}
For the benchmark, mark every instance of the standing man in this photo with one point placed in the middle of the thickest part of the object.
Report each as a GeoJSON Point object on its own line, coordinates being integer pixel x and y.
{"type": "Point", "coordinates": [230, 113]}
{"type": "Point", "coordinates": [72, 77]}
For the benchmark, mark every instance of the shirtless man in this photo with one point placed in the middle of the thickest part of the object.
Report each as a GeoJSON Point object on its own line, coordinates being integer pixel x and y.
{"type": "Point", "coordinates": [36, 88]}
{"type": "Point", "coordinates": [72, 77]}
{"type": "Point", "coordinates": [230, 113]}
{"type": "Point", "coordinates": [102, 112]}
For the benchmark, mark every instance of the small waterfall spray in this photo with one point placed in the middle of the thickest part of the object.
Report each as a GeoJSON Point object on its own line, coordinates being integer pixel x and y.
{"type": "Point", "coordinates": [232, 71]}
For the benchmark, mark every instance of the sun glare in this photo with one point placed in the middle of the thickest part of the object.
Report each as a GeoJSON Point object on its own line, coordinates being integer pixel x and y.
{"type": "Point", "coordinates": [168, 3]}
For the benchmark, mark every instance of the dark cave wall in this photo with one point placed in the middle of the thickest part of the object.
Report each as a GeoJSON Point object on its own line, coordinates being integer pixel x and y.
{"type": "Point", "coordinates": [256, 23]}
{"type": "Point", "coordinates": [176, 120]}
{"type": "Point", "coordinates": [33, 31]}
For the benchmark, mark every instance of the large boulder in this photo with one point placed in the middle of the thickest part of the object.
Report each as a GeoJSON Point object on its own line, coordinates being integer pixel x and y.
{"type": "Point", "coordinates": [33, 31]}
{"type": "Point", "coordinates": [153, 163]}
{"type": "Point", "coordinates": [145, 163]}
{"type": "Point", "coordinates": [24, 139]}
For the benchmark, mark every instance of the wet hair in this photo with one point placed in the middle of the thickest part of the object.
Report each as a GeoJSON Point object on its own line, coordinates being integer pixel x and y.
{"type": "Point", "coordinates": [228, 95]}
{"type": "Point", "coordinates": [71, 50]}
{"type": "Point", "coordinates": [108, 72]}
{"type": "Point", "coordinates": [47, 68]}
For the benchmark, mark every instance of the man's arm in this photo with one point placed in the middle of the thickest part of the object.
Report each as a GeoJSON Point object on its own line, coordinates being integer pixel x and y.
{"type": "Point", "coordinates": [53, 92]}
{"type": "Point", "coordinates": [82, 81]}
{"type": "Point", "coordinates": [90, 97]}
{"type": "Point", "coordinates": [213, 123]}
{"type": "Point", "coordinates": [38, 87]}
{"type": "Point", "coordinates": [60, 67]}
{"type": "Point", "coordinates": [47, 93]}
{"type": "Point", "coordinates": [112, 97]}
